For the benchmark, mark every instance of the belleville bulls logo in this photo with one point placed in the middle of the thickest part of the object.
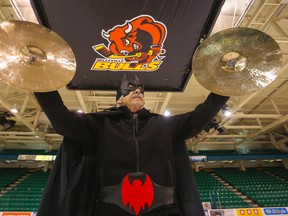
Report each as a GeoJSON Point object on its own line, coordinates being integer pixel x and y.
{"type": "Point", "coordinates": [137, 45]}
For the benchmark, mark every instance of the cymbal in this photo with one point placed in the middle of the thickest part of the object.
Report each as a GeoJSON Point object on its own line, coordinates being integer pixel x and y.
{"type": "Point", "coordinates": [237, 61]}
{"type": "Point", "coordinates": [33, 57]}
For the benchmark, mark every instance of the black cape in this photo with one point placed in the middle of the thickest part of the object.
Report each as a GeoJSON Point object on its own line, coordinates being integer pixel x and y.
{"type": "Point", "coordinates": [73, 186]}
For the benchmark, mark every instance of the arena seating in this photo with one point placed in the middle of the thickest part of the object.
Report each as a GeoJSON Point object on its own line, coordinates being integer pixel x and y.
{"type": "Point", "coordinates": [261, 187]}
{"type": "Point", "coordinates": [278, 171]}
{"type": "Point", "coordinates": [7, 176]}
{"type": "Point", "coordinates": [26, 195]}
{"type": "Point", "coordinates": [207, 185]}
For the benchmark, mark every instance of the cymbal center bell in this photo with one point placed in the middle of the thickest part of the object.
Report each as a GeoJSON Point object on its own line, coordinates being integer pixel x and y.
{"type": "Point", "coordinates": [233, 62]}
{"type": "Point", "coordinates": [33, 55]}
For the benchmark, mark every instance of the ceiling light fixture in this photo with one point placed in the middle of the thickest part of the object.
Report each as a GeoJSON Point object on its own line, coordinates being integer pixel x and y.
{"type": "Point", "coordinates": [227, 113]}
{"type": "Point", "coordinates": [167, 113]}
{"type": "Point", "coordinates": [14, 110]}
{"type": "Point", "coordinates": [226, 110]}
{"type": "Point", "coordinates": [79, 111]}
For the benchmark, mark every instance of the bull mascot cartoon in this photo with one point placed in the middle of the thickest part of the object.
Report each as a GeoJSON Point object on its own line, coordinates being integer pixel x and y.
{"type": "Point", "coordinates": [139, 40]}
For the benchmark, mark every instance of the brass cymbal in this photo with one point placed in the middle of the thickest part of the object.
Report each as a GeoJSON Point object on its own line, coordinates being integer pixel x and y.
{"type": "Point", "coordinates": [237, 61]}
{"type": "Point", "coordinates": [33, 57]}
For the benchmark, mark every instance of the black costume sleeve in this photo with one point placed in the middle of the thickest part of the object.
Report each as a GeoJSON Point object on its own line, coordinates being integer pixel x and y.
{"type": "Point", "coordinates": [185, 126]}
{"type": "Point", "coordinates": [73, 185]}
{"type": "Point", "coordinates": [74, 126]}
{"type": "Point", "coordinates": [190, 124]}
{"type": "Point", "coordinates": [186, 185]}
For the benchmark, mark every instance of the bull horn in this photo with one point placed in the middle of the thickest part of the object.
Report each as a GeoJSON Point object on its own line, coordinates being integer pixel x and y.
{"type": "Point", "coordinates": [105, 34]}
{"type": "Point", "coordinates": [129, 29]}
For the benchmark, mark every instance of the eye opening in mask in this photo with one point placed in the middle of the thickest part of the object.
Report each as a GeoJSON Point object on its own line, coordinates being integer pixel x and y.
{"type": "Point", "coordinates": [133, 87]}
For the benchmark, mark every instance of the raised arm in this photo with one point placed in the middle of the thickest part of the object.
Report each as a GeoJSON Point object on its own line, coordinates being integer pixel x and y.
{"type": "Point", "coordinates": [71, 125]}
{"type": "Point", "coordinates": [190, 124]}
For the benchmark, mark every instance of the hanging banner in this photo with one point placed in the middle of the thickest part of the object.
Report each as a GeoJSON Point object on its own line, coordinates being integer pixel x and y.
{"type": "Point", "coordinates": [154, 40]}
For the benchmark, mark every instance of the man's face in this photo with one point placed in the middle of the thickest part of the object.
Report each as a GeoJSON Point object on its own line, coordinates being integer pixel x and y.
{"type": "Point", "coordinates": [135, 99]}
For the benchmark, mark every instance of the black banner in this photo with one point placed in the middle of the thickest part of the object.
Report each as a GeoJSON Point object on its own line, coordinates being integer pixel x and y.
{"type": "Point", "coordinates": [153, 39]}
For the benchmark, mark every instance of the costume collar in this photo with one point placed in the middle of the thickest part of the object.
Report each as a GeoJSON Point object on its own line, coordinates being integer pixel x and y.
{"type": "Point", "coordinates": [123, 110]}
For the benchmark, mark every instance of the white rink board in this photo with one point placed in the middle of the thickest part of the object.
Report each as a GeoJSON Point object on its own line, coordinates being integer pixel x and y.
{"type": "Point", "coordinates": [267, 211]}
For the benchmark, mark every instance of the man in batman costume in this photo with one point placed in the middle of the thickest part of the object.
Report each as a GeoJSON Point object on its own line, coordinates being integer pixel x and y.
{"type": "Point", "coordinates": [125, 160]}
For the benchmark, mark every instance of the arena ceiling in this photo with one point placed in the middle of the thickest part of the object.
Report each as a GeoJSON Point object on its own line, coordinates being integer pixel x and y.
{"type": "Point", "coordinates": [258, 120]}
